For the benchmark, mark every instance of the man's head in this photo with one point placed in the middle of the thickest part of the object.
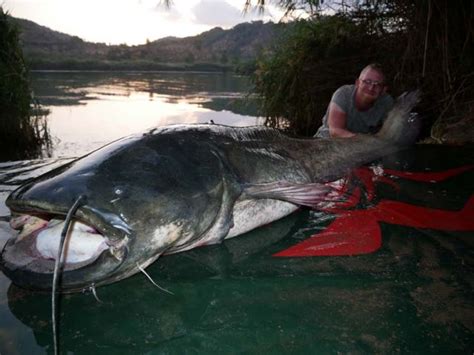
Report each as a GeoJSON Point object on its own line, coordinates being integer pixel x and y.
{"type": "Point", "coordinates": [371, 83]}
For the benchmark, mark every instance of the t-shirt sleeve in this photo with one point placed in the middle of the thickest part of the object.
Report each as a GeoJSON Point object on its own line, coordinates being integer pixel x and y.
{"type": "Point", "coordinates": [342, 98]}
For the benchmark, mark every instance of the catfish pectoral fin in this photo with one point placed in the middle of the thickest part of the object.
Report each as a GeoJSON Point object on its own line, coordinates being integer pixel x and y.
{"type": "Point", "coordinates": [310, 194]}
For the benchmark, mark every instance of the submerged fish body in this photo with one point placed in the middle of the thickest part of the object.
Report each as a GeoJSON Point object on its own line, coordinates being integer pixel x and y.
{"type": "Point", "coordinates": [173, 189]}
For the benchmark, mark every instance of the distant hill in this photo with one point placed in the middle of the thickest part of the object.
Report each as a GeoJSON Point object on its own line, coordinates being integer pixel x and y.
{"type": "Point", "coordinates": [215, 49]}
{"type": "Point", "coordinates": [41, 41]}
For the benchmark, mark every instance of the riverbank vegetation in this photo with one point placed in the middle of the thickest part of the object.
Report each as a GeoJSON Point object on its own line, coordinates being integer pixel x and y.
{"type": "Point", "coordinates": [23, 129]}
{"type": "Point", "coordinates": [427, 44]}
{"type": "Point", "coordinates": [123, 65]}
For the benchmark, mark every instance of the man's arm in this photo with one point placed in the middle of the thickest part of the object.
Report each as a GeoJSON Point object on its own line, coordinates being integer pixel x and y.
{"type": "Point", "coordinates": [337, 122]}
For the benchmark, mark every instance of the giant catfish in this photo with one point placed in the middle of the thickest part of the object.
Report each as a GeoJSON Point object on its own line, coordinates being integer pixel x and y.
{"type": "Point", "coordinates": [175, 188]}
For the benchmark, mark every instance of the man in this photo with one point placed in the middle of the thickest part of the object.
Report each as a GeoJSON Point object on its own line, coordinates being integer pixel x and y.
{"type": "Point", "coordinates": [359, 108]}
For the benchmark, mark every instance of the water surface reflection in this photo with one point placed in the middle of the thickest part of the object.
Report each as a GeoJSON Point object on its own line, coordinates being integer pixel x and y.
{"type": "Point", "coordinates": [90, 109]}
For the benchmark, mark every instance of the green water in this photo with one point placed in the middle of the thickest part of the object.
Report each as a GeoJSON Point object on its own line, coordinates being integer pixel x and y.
{"type": "Point", "coordinates": [413, 295]}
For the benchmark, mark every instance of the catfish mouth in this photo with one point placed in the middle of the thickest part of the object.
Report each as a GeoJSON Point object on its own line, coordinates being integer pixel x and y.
{"type": "Point", "coordinates": [28, 258]}
{"type": "Point", "coordinates": [37, 243]}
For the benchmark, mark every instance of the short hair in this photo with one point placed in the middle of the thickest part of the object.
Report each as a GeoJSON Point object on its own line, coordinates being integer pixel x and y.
{"type": "Point", "coordinates": [373, 66]}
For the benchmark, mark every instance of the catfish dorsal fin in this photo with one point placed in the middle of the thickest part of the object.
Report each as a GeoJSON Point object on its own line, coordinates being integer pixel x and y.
{"type": "Point", "coordinates": [310, 194]}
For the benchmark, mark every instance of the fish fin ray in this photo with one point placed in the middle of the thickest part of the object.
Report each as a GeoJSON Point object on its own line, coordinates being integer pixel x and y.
{"type": "Point", "coordinates": [309, 194]}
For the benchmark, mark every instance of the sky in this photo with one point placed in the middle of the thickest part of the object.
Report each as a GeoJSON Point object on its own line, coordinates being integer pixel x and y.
{"type": "Point", "coordinates": [135, 21]}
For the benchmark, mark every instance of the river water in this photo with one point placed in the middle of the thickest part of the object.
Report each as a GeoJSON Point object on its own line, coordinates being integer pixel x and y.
{"type": "Point", "coordinates": [90, 109]}
{"type": "Point", "coordinates": [413, 294]}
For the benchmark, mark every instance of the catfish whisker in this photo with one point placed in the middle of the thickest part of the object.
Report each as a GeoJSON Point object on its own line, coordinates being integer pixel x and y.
{"type": "Point", "coordinates": [153, 282]}
{"type": "Point", "coordinates": [93, 290]}
{"type": "Point", "coordinates": [57, 268]}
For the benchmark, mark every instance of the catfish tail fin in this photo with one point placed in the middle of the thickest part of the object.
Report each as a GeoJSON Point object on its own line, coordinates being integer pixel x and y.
{"type": "Point", "coordinates": [401, 126]}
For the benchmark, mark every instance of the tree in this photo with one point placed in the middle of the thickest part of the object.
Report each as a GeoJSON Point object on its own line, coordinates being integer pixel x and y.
{"type": "Point", "coordinates": [311, 7]}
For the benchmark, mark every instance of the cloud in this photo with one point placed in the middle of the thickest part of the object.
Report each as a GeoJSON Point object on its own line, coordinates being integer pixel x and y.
{"type": "Point", "coordinates": [218, 13]}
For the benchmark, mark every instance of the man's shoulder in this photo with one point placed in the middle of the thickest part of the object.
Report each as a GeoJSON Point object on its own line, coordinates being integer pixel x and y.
{"type": "Point", "coordinates": [343, 96]}
{"type": "Point", "coordinates": [345, 89]}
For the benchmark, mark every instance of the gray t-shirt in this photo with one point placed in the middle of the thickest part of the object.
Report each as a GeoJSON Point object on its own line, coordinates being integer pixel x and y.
{"type": "Point", "coordinates": [357, 121]}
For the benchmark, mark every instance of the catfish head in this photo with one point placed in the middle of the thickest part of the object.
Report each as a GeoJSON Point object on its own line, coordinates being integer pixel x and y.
{"type": "Point", "coordinates": [139, 202]}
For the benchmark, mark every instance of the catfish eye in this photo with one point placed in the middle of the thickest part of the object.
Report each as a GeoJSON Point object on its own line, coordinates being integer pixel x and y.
{"type": "Point", "coordinates": [118, 193]}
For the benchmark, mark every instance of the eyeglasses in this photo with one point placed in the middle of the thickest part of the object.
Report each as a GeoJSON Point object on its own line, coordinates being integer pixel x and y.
{"type": "Point", "coordinates": [376, 84]}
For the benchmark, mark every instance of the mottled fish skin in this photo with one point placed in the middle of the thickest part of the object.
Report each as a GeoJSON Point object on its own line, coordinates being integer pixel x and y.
{"type": "Point", "coordinates": [178, 187]}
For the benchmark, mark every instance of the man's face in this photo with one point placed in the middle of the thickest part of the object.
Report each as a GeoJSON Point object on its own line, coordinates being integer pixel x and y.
{"type": "Point", "coordinates": [370, 85]}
